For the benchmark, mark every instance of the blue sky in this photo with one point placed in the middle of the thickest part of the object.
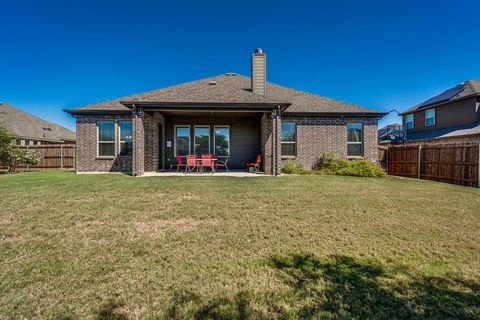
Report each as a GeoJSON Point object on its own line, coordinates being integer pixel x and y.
{"type": "Point", "coordinates": [380, 54]}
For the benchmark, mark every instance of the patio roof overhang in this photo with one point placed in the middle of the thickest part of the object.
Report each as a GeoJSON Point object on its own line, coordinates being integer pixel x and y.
{"type": "Point", "coordinates": [206, 106]}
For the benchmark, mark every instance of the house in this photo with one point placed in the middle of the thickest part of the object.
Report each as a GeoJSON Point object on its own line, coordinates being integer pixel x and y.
{"type": "Point", "coordinates": [391, 133]}
{"type": "Point", "coordinates": [453, 116]}
{"type": "Point", "coordinates": [32, 130]}
{"type": "Point", "coordinates": [228, 115]}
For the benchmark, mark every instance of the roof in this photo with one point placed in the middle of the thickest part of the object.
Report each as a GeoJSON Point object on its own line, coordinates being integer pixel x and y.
{"type": "Point", "coordinates": [231, 89]}
{"type": "Point", "coordinates": [25, 125]}
{"type": "Point", "coordinates": [450, 132]}
{"type": "Point", "coordinates": [463, 90]}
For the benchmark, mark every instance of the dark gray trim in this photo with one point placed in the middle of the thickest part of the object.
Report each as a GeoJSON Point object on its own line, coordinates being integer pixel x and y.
{"type": "Point", "coordinates": [334, 114]}
{"type": "Point", "coordinates": [96, 112]}
{"type": "Point", "coordinates": [197, 105]}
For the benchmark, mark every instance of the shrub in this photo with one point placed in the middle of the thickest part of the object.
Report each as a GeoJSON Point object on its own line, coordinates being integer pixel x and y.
{"type": "Point", "coordinates": [324, 161]}
{"type": "Point", "coordinates": [327, 164]}
{"type": "Point", "coordinates": [292, 166]}
{"type": "Point", "coordinates": [11, 156]}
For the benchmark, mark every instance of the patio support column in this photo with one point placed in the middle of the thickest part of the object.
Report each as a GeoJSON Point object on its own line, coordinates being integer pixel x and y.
{"type": "Point", "coordinates": [277, 149]}
{"type": "Point", "coordinates": [271, 142]}
{"type": "Point", "coordinates": [138, 152]}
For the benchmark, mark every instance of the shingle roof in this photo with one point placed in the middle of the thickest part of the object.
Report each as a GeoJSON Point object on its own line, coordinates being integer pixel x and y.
{"type": "Point", "coordinates": [230, 89]}
{"type": "Point", "coordinates": [467, 88]}
{"type": "Point", "coordinates": [456, 131]}
{"type": "Point", "coordinates": [29, 126]}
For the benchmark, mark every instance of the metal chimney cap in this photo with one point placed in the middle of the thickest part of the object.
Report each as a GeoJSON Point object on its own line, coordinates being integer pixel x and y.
{"type": "Point", "coordinates": [258, 50]}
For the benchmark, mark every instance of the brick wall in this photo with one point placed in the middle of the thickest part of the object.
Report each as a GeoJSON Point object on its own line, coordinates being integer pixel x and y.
{"type": "Point", "coordinates": [318, 135]}
{"type": "Point", "coordinates": [87, 160]}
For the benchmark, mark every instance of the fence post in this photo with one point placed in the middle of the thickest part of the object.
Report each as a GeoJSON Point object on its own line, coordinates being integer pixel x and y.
{"type": "Point", "coordinates": [61, 156]}
{"type": "Point", "coordinates": [419, 161]}
{"type": "Point", "coordinates": [386, 156]}
{"type": "Point", "coordinates": [27, 163]}
{"type": "Point", "coordinates": [478, 167]}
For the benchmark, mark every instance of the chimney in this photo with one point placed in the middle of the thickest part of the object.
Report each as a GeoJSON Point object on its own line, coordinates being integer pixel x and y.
{"type": "Point", "coordinates": [259, 72]}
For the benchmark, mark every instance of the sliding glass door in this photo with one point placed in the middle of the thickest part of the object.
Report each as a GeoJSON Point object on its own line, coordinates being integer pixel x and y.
{"type": "Point", "coordinates": [202, 139]}
{"type": "Point", "coordinates": [182, 140]}
{"type": "Point", "coordinates": [222, 140]}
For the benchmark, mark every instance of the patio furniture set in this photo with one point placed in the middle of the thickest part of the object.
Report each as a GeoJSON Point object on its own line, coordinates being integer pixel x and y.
{"type": "Point", "coordinates": [204, 162]}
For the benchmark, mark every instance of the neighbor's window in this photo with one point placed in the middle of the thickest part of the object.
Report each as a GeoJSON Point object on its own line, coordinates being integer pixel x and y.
{"type": "Point", "coordinates": [125, 128]}
{"type": "Point", "coordinates": [289, 137]}
{"type": "Point", "coordinates": [222, 141]}
{"type": "Point", "coordinates": [409, 121]}
{"type": "Point", "coordinates": [182, 140]}
{"type": "Point", "coordinates": [106, 138]}
{"type": "Point", "coordinates": [354, 139]}
{"type": "Point", "coordinates": [202, 140]}
{"type": "Point", "coordinates": [430, 117]}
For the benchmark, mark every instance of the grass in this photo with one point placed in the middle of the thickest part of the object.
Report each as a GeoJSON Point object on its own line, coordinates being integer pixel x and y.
{"type": "Point", "coordinates": [117, 247]}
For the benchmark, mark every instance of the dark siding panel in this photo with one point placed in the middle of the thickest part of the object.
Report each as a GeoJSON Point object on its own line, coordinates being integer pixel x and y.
{"type": "Point", "coordinates": [448, 115]}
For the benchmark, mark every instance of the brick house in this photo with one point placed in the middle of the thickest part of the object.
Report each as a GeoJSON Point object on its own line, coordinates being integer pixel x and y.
{"type": "Point", "coordinates": [228, 115]}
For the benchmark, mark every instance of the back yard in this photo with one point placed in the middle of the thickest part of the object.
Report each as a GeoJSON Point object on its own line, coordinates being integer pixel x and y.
{"type": "Point", "coordinates": [117, 247]}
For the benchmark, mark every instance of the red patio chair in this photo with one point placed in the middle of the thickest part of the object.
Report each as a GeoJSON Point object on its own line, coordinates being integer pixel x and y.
{"type": "Point", "coordinates": [255, 165]}
{"type": "Point", "coordinates": [207, 162]}
{"type": "Point", "coordinates": [179, 163]}
{"type": "Point", "coordinates": [191, 163]}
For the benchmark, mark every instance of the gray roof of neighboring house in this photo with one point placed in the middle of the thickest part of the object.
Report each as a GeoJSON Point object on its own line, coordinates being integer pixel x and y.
{"type": "Point", "coordinates": [463, 90]}
{"type": "Point", "coordinates": [230, 89]}
{"type": "Point", "coordinates": [463, 130]}
{"type": "Point", "coordinates": [29, 126]}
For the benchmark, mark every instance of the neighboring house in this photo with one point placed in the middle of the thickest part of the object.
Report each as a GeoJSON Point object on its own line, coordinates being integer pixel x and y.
{"type": "Point", "coordinates": [228, 115]}
{"type": "Point", "coordinates": [452, 116]}
{"type": "Point", "coordinates": [391, 133]}
{"type": "Point", "coordinates": [31, 130]}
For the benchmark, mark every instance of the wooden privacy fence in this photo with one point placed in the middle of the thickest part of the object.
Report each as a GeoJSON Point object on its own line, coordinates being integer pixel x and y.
{"type": "Point", "coordinates": [52, 156]}
{"type": "Point", "coordinates": [455, 163]}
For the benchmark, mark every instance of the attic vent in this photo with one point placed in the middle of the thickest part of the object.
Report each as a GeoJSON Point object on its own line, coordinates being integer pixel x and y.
{"type": "Point", "coordinates": [213, 82]}
{"type": "Point", "coordinates": [230, 74]}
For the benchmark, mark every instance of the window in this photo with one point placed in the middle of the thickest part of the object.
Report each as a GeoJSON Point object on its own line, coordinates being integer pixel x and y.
{"type": "Point", "coordinates": [125, 128]}
{"type": "Point", "coordinates": [289, 136]}
{"type": "Point", "coordinates": [222, 140]}
{"type": "Point", "coordinates": [409, 121]}
{"type": "Point", "coordinates": [430, 117]}
{"type": "Point", "coordinates": [202, 140]}
{"type": "Point", "coordinates": [354, 140]}
{"type": "Point", "coordinates": [106, 138]}
{"type": "Point", "coordinates": [182, 140]}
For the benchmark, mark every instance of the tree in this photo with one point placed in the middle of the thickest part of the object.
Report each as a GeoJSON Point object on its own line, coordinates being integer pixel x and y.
{"type": "Point", "coordinates": [10, 156]}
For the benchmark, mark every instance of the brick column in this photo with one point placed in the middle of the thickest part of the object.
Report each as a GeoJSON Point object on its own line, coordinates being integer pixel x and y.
{"type": "Point", "coordinates": [271, 142]}
{"type": "Point", "coordinates": [138, 156]}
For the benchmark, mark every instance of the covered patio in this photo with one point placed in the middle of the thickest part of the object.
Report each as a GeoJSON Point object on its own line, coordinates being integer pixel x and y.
{"type": "Point", "coordinates": [233, 134]}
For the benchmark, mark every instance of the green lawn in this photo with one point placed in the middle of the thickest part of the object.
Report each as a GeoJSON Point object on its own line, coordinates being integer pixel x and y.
{"type": "Point", "coordinates": [117, 247]}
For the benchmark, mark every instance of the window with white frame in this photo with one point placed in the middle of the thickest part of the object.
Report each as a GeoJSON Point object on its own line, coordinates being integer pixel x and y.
{"type": "Point", "coordinates": [430, 117]}
{"type": "Point", "coordinates": [106, 138]}
{"type": "Point", "coordinates": [202, 139]}
{"type": "Point", "coordinates": [182, 140]}
{"type": "Point", "coordinates": [409, 121]}
{"type": "Point", "coordinates": [222, 140]}
{"type": "Point", "coordinates": [125, 133]}
{"type": "Point", "coordinates": [289, 138]}
{"type": "Point", "coordinates": [354, 140]}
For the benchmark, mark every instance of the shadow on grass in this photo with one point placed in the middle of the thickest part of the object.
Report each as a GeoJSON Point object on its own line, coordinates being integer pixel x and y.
{"type": "Point", "coordinates": [340, 288]}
